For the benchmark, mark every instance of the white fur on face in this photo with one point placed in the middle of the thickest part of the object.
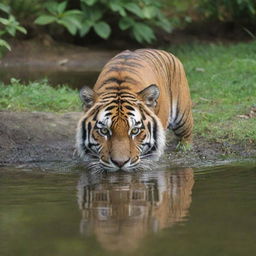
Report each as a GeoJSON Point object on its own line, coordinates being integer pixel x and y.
{"type": "Point", "coordinates": [155, 137]}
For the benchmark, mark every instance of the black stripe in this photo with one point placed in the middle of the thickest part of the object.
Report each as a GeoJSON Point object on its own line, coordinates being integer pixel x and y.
{"type": "Point", "coordinates": [149, 126]}
{"type": "Point", "coordinates": [111, 80]}
{"type": "Point", "coordinates": [118, 88]}
{"type": "Point", "coordinates": [114, 101]}
{"type": "Point", "coordinates": [89, 128]}
{"type": "Point", "coordinates": [129, 107]}
{"type": "Point", "coordinates": [129, 63]}
{"type": "Point", "coordinates": [154, 147]}
{"type": "Point", "coordinates": [181, 125]}
{"type": "Point", "coordinates": [96, 114]}
{"type": "Point", "coordinates": [109, 97]}
{"type": "Point", "coordinates": [128, 96]}
{"type": "Point", "coordinates": [178, 122]}
{"type": "Point", "coordinates": [113, 69]}
{"type": "Point", "coordinates": [129, 55]}
{"type": "Point", "coordinates": [130, 80]}
{"type": "Point", "coordinates": [187, 135]}
{"type": "Point", "coordinates": [142, 113]}
{"type": "Point", "coordinates": [84, 134]}
{"type": "Point", "coordinates": [93, 144]}
{"type": "Point", "coordinates": [155, 131]}
{"type": "Point", "coordinates": [109, 108]}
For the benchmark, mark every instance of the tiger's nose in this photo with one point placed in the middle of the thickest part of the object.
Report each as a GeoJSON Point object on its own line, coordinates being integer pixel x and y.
{"type": "Point", "coordinates": [119, 163]}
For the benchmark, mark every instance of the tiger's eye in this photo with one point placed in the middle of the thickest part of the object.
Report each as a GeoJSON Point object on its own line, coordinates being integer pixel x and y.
{"type": "Point", "coordinates": [104, 131]}
{"type": "Point", "coordinates": [135, 131]}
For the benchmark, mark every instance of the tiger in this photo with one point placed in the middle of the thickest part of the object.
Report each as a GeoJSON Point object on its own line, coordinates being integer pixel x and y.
{"type": "Point", "coordinates": [138, 95]}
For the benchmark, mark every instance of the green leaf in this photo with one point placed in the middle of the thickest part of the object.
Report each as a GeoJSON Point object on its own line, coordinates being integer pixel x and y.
{"type": "Point", "coordinates": [149, 12]}
{"type": "Point", "coordinates": [125, 23]}
{"type": "Point", "coordinates": [86, 26]}
{"type": "Point", "coordinates": [89, 2]}
{"type": "Point", "coordinates": [72, 29]}
{"type": "Point", "coordinates": [52, 7]}
{"type": "Point", "coordinates": [143, 33]}
{"type": "Point", "coordinates": [96, 14]}
{"type": "Point", "coordinates": [73, 20]}
{"type": "Point", "coordinates": [45, 19]}
{"type": "Point", "coordinates": [11, 30]}
{"type": "Point", "coordinates": [4, 44]}
{"type": "Point", "coordinates": [135, 9]}
{"type": "Point", "coordinates": [5, 8]}
{"type": "Point", "coordinates": [76, 13]}
{"type": "Point", "coordinates": [102, 29]}
{"type": "Point", "coordinates": [4, 21]}
{"type": "Point", "coordinates": [21, 29]}
{"type": "Point", "coordinates": [165, 24]}
{"type": "Point", "coordinates": [116, 7]}
{"type": "Point", "coordinates": [61, 7]}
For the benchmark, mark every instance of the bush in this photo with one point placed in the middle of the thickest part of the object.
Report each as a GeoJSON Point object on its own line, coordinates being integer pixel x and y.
{"type": "Point", "coordinates": [8, 26]}
{"type": "Point", "coordinates": [237, 11]}
{"type": "Point", "coordinates": [138, 17]}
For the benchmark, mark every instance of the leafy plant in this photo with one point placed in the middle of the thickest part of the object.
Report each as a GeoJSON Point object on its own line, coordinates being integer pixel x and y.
{"type": "Point", "coordinates": [138, 17]}
{"type": "Point", "coordinates": [238, 11]}
{"type": "Point", "coordinates": [8, 26]}
{"type": "Point", "coordinates": [92, 19]}
{"type": "Point", "coordinates": [57, 13]}
{"type": "Point", "coordinates": [25, 10]}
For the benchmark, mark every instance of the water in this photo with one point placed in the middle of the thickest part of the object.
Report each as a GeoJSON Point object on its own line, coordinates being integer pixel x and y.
{"type": "Point", "coordinates": [72, 78]}
{"type": "Point", "coordinates": [207, 211]}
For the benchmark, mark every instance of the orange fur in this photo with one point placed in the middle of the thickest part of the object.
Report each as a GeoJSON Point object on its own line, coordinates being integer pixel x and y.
{"type": "Point", "coordinates": [146, 82]}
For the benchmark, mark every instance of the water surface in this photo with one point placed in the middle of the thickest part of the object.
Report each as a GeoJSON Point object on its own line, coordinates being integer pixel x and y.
{"type": "Point", "coordinates": [72, 78]}
{"type": "Point", "coordinates": [207, 211]}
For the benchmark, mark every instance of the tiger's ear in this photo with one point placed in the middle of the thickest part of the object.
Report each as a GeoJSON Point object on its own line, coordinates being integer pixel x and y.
{"type": "Point", "coordinates": [87, 97]}
{"type": "Point", "coordinates": [150, 95]}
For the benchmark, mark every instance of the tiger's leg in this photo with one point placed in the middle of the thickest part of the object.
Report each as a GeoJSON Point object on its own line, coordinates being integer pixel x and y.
{"type": "Point", "coordinates": [182, 127]}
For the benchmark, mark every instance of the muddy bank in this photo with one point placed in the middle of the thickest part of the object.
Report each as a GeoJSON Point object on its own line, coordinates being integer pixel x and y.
{"type": "Point", "coordinates": [47, 137]}
{"type": "Point", "coordinates": [36, 137]}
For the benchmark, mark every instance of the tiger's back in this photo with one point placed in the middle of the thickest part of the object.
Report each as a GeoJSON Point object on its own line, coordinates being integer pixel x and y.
{"type": "Point", "coordinates": [136, 70]}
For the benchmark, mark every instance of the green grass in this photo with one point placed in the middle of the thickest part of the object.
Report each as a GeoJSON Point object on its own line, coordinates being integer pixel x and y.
{"type": "Point", "coordinates": [223, 85]}
{"type": "Point", "coordinates": [222, 81]}
{"type": "Point", "coordinates": [38, 96]}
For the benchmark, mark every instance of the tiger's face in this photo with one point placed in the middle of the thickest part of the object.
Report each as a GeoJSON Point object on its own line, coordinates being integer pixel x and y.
{"type": "Point", "coordinates": [119, 132]}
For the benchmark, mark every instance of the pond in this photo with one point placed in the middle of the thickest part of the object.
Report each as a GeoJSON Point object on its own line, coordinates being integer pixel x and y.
{"type": "Point", "coordinates": [182, 211]}
{"type": "Point", "coordinates": [72, 78]}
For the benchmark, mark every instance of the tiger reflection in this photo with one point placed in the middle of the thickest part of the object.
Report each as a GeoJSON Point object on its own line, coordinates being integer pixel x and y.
{"type": "Point", "coordinates": [120, 209]}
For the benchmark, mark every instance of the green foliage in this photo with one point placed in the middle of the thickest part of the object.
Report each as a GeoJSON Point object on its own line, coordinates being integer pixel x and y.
{"type": "Point", "coordinates": [25, 10]}
{"type": "Point", "coordinates": [38, 96]}
{"type": "Point", "coordinates": [57, 13]}
{"type": "Point", "coordinates": [238, 11]}
{"type": "Point", "coordinates": [138, 17]}
{"type": "Point", "coordinates": [8, 26]}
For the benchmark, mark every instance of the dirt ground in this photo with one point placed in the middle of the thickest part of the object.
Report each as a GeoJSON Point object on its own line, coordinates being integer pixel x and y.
{"type": "Point", "coordinates": [38, 137]}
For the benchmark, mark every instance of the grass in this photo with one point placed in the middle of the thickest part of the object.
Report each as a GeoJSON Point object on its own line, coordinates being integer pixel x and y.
{"type": "Point", "coordinates": [223, 87]}
{"type": "Point", "coordinates": [38, 96]}
{"type": "Point", "coordinates": [222, 81]}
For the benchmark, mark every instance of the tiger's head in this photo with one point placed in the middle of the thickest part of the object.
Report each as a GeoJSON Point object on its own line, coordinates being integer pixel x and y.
{"type": "Point", "coordinates": [119, 129]}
